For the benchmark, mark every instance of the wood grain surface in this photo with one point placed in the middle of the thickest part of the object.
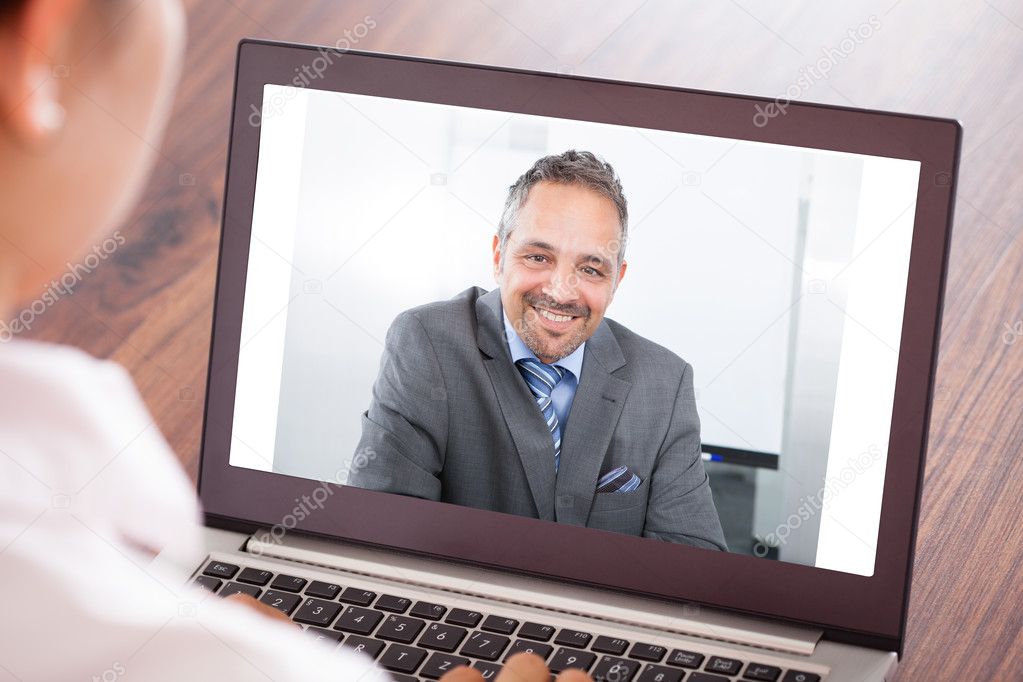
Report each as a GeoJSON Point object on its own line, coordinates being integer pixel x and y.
{"type": "Point", "coordinates": [149, 306]}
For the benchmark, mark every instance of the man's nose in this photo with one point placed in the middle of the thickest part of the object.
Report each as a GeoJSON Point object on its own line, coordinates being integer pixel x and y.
{"type": "Point", "coordinates": [562, 285]}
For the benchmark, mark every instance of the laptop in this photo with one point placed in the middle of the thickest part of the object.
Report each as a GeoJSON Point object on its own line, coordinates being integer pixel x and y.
{"type": "Point", "coordinates": [728, 486]}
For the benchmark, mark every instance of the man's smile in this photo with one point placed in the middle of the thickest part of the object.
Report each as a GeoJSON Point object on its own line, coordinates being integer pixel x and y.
{"type": "Point", "coordinates": [553, 320]}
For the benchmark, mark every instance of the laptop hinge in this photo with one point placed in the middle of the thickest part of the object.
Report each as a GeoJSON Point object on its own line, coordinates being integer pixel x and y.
{"type": "Point", "coordinates": [541, 593]}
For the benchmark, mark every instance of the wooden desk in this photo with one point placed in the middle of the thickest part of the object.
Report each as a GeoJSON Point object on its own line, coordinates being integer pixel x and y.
{"type": "Point", "coordinates": [149, 306]}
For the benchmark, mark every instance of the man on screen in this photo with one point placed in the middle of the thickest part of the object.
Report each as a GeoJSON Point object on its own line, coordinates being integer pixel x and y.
{"type": "Point", "coordinates": [526, 399]}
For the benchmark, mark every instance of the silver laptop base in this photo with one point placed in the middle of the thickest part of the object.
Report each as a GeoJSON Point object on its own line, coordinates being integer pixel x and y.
{"type": "Point", "coordinates": [709, 631]}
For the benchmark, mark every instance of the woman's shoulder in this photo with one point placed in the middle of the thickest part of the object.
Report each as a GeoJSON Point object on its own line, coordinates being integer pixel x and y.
{"type": "Point", "coordinates": [75, 429]}
{"type": "Point", "coordinates": [38, 366]}
{"type": "Point", "coordinates": [56, 392]}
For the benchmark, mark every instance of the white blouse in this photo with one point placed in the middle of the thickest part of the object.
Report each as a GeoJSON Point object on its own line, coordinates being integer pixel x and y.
{"type": "Point", "coordinates": [89, 491]}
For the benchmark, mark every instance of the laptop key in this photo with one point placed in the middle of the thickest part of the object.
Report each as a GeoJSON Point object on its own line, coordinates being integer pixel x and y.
{"type": "Point", "coordinates": [365, 645]}
{"type": "Point", "coordinates": [219, 569]}
{"type": "Point", "coordinates": [317, 612]}
{"type": "Point", "coordinates": [647, 652]}
{"type": "Point", "coordinates": [400, 629]}
{"type": "Point", "coordinates": [254, 576]}
{"type": "Point", "coordinates": [358, 620]}
{"type": "Point", "coordinates": [505, 626]}
{"type": "Point", "coordinates": [398, 677]}
{"type": "Point", "coordinates": [706, 677]}
{"type": "Point", "coordinates": [318, 588]}
{"type": "Point", "coordinates": [424, 609]}
{"type": "Point", "coordinates": [358, 597]}
{"type": "Point", "coordinates": [288, 583]}
{"type": "Point", "coordinates": [571, 658]}
{"type": "Point", "coordinates": [660, 673]}
{"type": "Point", "coordinates": [541, 650]}
{"type": "Point", "coordinates": [611, 669]}
{"type": "Point", "coordinates": [401, 658]}
{"type": "Point", "coordinates": [537, 631]}
{"type": "Point", "coordinates": [282, 601]}
{"type": "Point", "coordinates": [727, 666]}
{"type": "Point", "coordinates": [208, 583]}
{"type": "Point", "coordinates": [759, 671]}
{"type": "Point", "coordinates": [442, 637]}
{"type": "Point", "coordinates": [796, 676]}
{"type": "Point", "coordinates": [488, 670]}
{"type": "Point", "coordinates": [239, 588]}
{"type": "Point", "coordinates": [685, 659]}
{"type": "Point", "coordinates": [484, 645]}
{"type": "Point", "coordinates": [574, 638]}
{"type": "Point", "coordinates": [330, 637]}
{"type": "Point", "coordinates": [469, 619]}
{"type": "Point", "coordinates": [438, 664]}
{"type": "Point", "coordinates": [388, 602]}
{"type": "Point", "coordinates": [610, 645]}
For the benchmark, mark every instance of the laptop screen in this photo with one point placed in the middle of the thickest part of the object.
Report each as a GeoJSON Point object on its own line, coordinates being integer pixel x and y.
{"type": "Point", "coordinates": [686, 338]}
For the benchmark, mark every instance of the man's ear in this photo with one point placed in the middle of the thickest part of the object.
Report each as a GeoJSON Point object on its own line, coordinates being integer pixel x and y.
{"type": "Point", "coordinates": [621, 273]}
{"type": "Point", "coordinates": [496, 248]}
{"type": "Point", "coordinates": [35, 39]}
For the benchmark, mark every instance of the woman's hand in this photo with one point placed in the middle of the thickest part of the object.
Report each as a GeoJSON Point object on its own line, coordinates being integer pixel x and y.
{"type": "Point", "coordinates": [522, 667]}
{"type": "Point", "coordinates": [259, 607]}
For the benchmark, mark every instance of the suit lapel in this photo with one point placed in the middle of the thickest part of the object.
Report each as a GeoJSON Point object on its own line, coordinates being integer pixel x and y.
{"type": "Point", "coordinates": [596, 407]}
{"type": "Point", "coordinates": [524, 420]}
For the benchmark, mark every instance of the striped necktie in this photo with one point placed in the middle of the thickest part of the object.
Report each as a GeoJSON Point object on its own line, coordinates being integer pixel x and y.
{"type": "Point", "coordinates": [541, 380]}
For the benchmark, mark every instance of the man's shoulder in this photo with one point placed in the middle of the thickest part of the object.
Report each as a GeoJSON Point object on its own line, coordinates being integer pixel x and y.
{"type": "Point", "coordinates": [453, 316]}
{"type": "Point", "coordinates": [642, 353]}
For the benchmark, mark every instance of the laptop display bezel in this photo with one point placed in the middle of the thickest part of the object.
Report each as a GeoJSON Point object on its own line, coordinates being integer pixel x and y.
{"type": "Point", "coordinates": [869, 610]}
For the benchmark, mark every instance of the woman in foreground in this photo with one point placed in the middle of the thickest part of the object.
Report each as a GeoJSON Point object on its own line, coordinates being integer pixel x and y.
{"type": "Point", "coordinates": [89, 491]}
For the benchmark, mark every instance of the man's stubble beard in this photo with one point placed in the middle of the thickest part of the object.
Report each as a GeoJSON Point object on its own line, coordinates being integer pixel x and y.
{"type": "Point", "coordinates": [541, 347]}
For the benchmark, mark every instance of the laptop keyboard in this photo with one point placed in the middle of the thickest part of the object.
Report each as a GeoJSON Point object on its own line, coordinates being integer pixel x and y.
{"type": "Point", "coordinates": [419, 640]}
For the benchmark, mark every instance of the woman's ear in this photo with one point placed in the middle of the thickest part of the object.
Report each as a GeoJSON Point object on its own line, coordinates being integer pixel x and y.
{"type": "Point", "coordinates": [35, 40]}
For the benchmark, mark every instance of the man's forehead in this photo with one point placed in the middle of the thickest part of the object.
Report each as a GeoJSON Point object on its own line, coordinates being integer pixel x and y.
{"type": "Point", "coordinates": [566, 231]}
{"type": "Point", "coordinates": [566, 199]}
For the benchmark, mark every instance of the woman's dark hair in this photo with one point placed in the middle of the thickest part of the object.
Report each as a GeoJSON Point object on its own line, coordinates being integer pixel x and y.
{"type": "Point", "coordinates": [9, 7]}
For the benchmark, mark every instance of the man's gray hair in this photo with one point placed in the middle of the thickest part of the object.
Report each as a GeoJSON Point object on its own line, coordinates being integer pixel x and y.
{"type": "Point", "coordinates": [569, 168]}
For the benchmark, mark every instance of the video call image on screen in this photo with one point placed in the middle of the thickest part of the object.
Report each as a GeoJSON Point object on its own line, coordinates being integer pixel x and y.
{"type": "Point", "coordinates": [679, 337]}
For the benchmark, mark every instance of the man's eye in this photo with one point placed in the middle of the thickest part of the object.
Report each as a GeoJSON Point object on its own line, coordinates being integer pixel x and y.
{"type": "Point", "coordinates": [591, 272]}
{"type": "Point", "coordinates": [536, 258]}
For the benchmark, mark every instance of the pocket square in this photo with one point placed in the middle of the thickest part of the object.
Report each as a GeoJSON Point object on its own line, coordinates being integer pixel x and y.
{"type": "Point", "coordinates": [618, 480]}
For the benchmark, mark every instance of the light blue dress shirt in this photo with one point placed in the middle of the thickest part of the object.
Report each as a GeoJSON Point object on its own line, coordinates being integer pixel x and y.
{"type": "Point", "coordinates": [564, 392]}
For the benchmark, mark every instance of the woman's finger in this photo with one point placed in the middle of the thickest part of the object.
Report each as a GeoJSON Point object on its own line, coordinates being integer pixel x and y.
{"type": "Point", "coordinates": [462, 673]}
{"type": "Point", "coordinates": [524, 667]}
{"type": "Point", "coordinates": [574, 675]}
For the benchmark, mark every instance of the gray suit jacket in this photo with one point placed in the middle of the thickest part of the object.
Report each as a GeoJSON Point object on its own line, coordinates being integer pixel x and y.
{"type": "Point", "coordinates": [451, 419]}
